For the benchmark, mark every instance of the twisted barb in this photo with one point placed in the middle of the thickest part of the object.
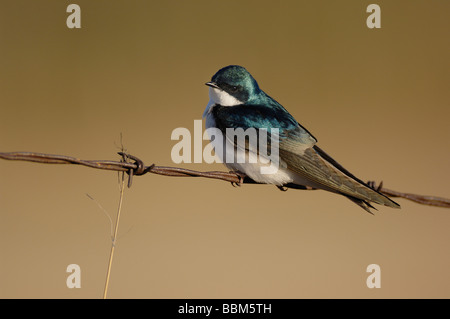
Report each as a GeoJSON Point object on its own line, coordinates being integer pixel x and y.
{"type": "Point", "coordinates": [138, 168]}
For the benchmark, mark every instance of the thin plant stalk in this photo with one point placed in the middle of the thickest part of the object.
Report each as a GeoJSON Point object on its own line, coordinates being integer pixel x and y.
{"type": "Point", "coordinates": [116, 227]}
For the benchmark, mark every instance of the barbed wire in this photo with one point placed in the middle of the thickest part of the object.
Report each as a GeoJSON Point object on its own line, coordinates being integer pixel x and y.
{"type": "Point", "coordinates": [236, 179]}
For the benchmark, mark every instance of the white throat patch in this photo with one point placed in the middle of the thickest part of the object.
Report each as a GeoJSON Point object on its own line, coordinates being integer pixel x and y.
{"type": "Point", "coordinates": [223, 98]}
{"type": "Point", "coordinates": [217, 96]}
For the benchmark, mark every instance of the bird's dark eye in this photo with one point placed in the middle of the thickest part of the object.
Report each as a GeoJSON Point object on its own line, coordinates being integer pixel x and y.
{"type": "Point", "coordinates": [234, 88]}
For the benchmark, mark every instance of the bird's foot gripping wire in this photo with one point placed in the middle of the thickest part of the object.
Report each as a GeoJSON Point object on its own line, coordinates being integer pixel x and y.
{"type": "Point", "coordinates": [241, 177]}
{"type": "Point", "coordinates": [374, 186]}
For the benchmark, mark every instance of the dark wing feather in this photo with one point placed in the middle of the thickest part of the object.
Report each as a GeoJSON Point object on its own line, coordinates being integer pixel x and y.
{"type": "Point", "coordinates": [315, 165]}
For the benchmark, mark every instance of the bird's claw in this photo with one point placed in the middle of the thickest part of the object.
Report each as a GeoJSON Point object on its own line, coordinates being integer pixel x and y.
{"type": "Point", "coordinates": [241, 177]}
{"type": "Point", "coordinates": [374, 186]}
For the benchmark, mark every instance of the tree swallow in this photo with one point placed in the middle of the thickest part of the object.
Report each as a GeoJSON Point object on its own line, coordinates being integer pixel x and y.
{"type": "Point", "coordinates": [236, 101]}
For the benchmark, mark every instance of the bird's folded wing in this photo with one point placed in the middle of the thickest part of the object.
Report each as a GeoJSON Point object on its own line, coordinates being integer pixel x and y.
{"type": "Point", "coordinates": [315, 165]}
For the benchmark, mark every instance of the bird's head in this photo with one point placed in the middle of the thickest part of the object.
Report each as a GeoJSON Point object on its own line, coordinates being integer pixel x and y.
{"type": "Point", "coordinates": [232, 85]}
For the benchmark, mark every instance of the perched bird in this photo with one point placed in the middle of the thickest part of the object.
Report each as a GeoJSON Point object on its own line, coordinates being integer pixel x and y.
{"type": "Point", "coordinates": [236, 101]}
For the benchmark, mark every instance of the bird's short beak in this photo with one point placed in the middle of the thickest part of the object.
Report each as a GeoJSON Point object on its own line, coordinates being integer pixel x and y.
{"type": "Point", "coordinates": [212, 84]}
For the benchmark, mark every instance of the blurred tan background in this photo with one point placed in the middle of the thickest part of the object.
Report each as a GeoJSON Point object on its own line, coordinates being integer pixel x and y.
{"type": "Point", "coordinates": [377, 100]}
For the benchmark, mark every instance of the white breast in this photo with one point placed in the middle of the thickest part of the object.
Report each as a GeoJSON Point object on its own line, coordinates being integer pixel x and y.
{"type": "Point", "coordinates": [252, 165]}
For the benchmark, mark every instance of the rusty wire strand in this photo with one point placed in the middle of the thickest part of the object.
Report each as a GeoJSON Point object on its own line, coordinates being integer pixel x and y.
{"type": "Point", "coordinates": [138, 168]}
